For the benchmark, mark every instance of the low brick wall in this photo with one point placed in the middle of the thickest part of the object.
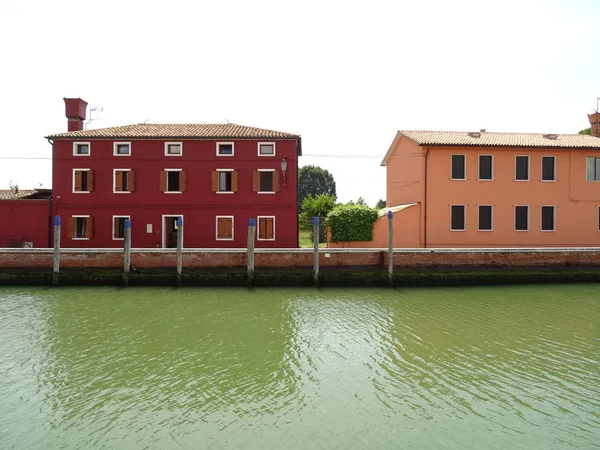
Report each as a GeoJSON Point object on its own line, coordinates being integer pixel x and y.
{"type": "Point", "coordinates": [302, 258]}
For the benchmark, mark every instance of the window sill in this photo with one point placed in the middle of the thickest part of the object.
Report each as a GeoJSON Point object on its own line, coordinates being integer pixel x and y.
{"type": "Point", "coordinates": [223, 154]}
{"type": "Point", "coordinates": [548, 181]}
{"type": "Point", "coordinates": [486, 231]}
{"type": "Point", "coordinates": [123, 154]}
{"type": "Point", "coordinates": [266, 192]}
{"type": "Point", "coordinates": [121, 192]}
{"type": "Point", "coordinates": [259, 239]}
{"type": "Point", "coordinates": [80, 239]}
{"type": "Point", "coordinates": [82, 192]}
{"type": "Point", "coordinates": [118, 239]}
{"type": "Point", "coordinates": [224, 239]}
{"type": "Point", "coordinates": [173, 192]}
{"type": "Point", "coordinates": [521, 180]}
{"type": "Point", "coordinates": [225, 192]}
{"type": "Point", "coordinates": [458, 179]}
{"type": "Point", "coordinates": [460, 231]}
{"type": "Point", "coordinates": [81, 154]}
{"type": "Point", "coordinates": [521, 231]}
{"type": "Point", "coordinates": [485, 179]}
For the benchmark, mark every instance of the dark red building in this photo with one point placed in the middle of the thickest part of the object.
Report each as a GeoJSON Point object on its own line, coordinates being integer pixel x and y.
{"type": "Point", "coordinates": [215, 177]}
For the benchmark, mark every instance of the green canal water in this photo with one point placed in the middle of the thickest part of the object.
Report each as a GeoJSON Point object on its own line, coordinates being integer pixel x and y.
{"type": "Point", "coordinates": [158, 368]}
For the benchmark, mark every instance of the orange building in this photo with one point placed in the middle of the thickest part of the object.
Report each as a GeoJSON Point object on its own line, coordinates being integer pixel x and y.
{"type": "Point", "coordinates": [480, 189]}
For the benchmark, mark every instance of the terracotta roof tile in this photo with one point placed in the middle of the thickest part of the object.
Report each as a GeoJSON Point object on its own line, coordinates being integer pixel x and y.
{"type": "Point", "coordinates": [177, 131]}
{"type": "Point", "coordinates": [10, 194]}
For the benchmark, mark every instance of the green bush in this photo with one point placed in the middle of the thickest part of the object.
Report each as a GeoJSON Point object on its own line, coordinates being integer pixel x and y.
{"type": "Point", "coordinates": [315, 206]}
{"type": "Point", "coordinates": [351, 223]}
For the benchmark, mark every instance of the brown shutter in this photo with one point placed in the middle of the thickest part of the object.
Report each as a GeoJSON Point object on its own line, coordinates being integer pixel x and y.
{"type": "Point", "coordinates": [219, 228]}
{"type": "Point", "coordinates": [261, 228]}
{"type": "Point", "coordinates": [163, 181]}
{"type": "Point", "coordinates": [131, 181]}
{"type": "Point", "coordinates": [182, 181]}
{"type": "Point", "coordinates": [256, 181]}
{"type": "Point", "coordinates": [90, 180]}
{"type": "Point", "coordinates": [275, 181]}
{"type": "Point", "coordinates": [89, 227]}
{"type": "Point", "coordinates": [234, 182]}
{"type": "Point", "coordinates": [70, 227]}
{"type": "Point", "coordinates": [228, 228]}
{"type": "Point", "coordinates": [118, 181]}
{"type": "Point", "coordinates": [215, 181]}
{"type": "Point", "coordinates": [269, 228]}
{"type": "Point", "coordinates": [78, 180]}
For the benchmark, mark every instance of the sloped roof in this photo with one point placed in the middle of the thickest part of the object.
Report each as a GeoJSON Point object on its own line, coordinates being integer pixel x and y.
{"type": "Point", "coordinates": [492, 139]}
{"type": "Point", "coordinates": [394, 209]}
{"type": "Point", "coordinates": [176, 131]}
{"type": "Point", "coordinates": [22, 194]}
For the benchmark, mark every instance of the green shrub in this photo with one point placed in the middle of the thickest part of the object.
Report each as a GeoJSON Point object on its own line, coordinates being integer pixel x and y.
{"type": "Point", "coordinates": [351, 223]}
{"type": "Point", "coordinates": [315, 206]}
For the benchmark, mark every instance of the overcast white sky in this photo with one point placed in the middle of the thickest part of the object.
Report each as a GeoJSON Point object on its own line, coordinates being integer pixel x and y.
{"type": "Point", "coordinates": [346, 75]}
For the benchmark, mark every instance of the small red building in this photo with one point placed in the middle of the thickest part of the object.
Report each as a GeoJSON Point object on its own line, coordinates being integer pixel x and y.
{"type": "Point", "coordinates": [215, 177]}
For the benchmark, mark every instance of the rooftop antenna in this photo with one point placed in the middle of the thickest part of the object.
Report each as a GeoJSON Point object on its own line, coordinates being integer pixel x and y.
{"type": "Point", "coordinates": [146, 121]}
{"type": "Point", "coordinates": [93, 109]}
{"type": "Point", "coordinates": [226, 121]}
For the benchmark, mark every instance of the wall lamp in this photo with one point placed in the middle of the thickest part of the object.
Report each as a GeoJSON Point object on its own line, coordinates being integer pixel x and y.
{"type": "Point", "coordinates": [283, 171]}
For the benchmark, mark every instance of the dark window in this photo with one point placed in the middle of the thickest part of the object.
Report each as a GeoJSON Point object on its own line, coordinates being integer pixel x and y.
{"type": "Point", "coordinates": [173, 181]}
{"type": "Point", "coordinates": [225, 149]}
{"type": "Point", "coordinates": [521, 218]}
{"type": "Point", "coordinates": [485, 167]}
{"type": "Point", "coordinates": [267, 149]}
{"type": "Point", "coordinates": [80, 227]}
{"type": "Point", "coordinates": [119, 227]}
{"type": "Point", "coordinates": [266, 181]}
{"type": "Point", "coordinates": [522, 168]}
{"type": "Point", "coordinates": [83, 149]}
{"type": "Point", "coordinates": [485, 218]}
{"type": "Point", "coordinates": [592, 169]}
{"type": "Point", "coordinates": [174, 149]}
{"type": "Point", "coordinates": [547, 218]}
{"type": "Point", "coordinates": [84, 180]}
{"type": "Point", "coordinates": [458, 217]}
{"type": "Point", "coordinates": [122, 149]}
{"type": "Point", "coordinates": [548, 168]}
{"type": "Point", "coordinates": [224, 181]}
{"type": "Point", "coordinates": [458, 167]}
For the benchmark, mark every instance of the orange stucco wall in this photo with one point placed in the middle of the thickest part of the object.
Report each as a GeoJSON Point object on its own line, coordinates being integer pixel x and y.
{"type": "Point", "coordinates": [404, 172]}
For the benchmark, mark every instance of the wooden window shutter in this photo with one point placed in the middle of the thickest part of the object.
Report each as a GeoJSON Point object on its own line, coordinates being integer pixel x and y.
{"type": "Point", "coordinates": [275, 181]}
{"type": "Point", "coordinates": [70, 227]}
{"type": "Point", "coordinates": [256, 181]}
{"type": "Point", "coordinates": [261, 229]}
{"type": "Point", "coordinates": [163, 181]}
{"type": "Point", "coordinates": [118, 181]}
{"type": "Point", "coordinates": [90, 180]}
{"type": "Point", "coordinates": [89, 227]}
{"type": "Point", "coordinates": [269, 228]}
{"type": "Point", "coordinates": [131, 181]}
{"type": "Point", "coordinates": [215, 181]}
{"type": "Point", "coordinates": [228, 228]}
{"type": "Point", "coordinates": [78, 181]}
{"type": "Point", "coordinates": [220, 228]}
{"type": "Point", "coordinates": [182, 181]}
{"type": "Point", "coordinates": [234, 182]}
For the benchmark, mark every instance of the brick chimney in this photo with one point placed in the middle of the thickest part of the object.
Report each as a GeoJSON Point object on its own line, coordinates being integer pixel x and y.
{"type": "Point", "coordinates": [75, 112]}
{"type": "Point", "coordinates": [595, 122]}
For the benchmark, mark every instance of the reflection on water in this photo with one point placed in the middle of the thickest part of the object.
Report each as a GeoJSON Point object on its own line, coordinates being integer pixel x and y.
{"type": "Point", "coordinates": [508, 367]}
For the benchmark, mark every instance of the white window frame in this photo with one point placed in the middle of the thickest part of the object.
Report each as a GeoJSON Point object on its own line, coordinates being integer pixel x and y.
{"type": "Point", "coordinates": [172, 192]}
{"type": "Point", "coordinates": [113, 227]}
{"type": "Point", "coordinates": [491, 219]}
{"type": "Point", "coordinates": [77, 144]}
{"type": "Point", "coordinates": [74, 228]}
{"type": "Point", "coordinates": [258, 229]}
{"type": "Point", "coordinates": [266, 154]}
{"type": "Point", "coordinates": [528, 167]}
{"type": "Point", "coordinates": [515, 218]}
{"type": "Point", "coordinates": [116, 146]}
{"type": "Point", "coordinates": [225, 143]}
{"type": "Point", "coordinates": [479, 167]}
{"type": "Point", "coordinates": [173, 154]}
{"type": "Point", "coordinates": [464, 218]}
{"type": "Point", "coordinates": [115, 181]}
{"type": "Point", "coordinates": [73, 183]}
{"type": "Point", "coordinates": [219, 183]}
{"type": "Point", "coordinates": [465, 168]}
{"type": "Point", "coordinates": [553, 218]}
{"type": "Point", "coordinates": [217, 228]}
{"type": "Point", "coordinates": [265, 192]}
{"type": "Point", "coordinates": [162, 226]}
{"type": "Point", "coordinates": [542, 169]}
{"type": "Point", "coordinates": [598, 217]}
{"type": "Point", "coordinates": [586, 178]}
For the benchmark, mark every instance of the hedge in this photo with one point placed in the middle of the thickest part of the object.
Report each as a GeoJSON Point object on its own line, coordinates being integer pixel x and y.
{"type": "Point", "coordinates": [351, 223]}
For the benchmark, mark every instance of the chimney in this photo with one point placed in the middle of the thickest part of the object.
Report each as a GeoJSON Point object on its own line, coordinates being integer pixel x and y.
{"type": "Point", "coordinates": [75, 112]}
{"type": "Point", "coordinates": [594, 121]}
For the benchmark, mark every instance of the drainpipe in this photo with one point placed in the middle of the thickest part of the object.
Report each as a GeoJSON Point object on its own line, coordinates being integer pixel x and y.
{"type": "Point", "coordinates": [425, 203]}
{"type": "Point", "coordinates": [50, 245]}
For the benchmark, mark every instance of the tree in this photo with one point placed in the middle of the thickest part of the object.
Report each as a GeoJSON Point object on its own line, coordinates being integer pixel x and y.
{"type": "Point", "coordinates": [314, 180]}
{"type": "Point", "coordinates": [586, 131]}
{"type": "Point", "coordinates": [318, 206]}
{"type": "Point", "coordinates": [380, 204]}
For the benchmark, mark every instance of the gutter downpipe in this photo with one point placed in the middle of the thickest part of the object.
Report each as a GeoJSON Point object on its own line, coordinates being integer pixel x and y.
{"type": "Point", "coordinates": [425, 202]}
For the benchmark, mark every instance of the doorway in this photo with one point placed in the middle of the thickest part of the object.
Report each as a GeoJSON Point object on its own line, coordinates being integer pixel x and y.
{"type": "Point", "coordinates": [170, 231]}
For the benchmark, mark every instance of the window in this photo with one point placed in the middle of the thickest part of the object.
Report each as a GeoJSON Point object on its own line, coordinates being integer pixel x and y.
{"type": "Point", "coordinates": [83, 181]}
{"type": "Point", "coordinates": [173, 149]}
{"type": "Point", "coordinates": [224, 228]}
{"type": "Point", "coordinates": [548, 215]}
{"type": "Point", "coordinates": [118, 228]}
{"type": "Point", "coordinates": [265, 181]}
{"type": "Point", "coordinates": [123, 180]}
{"type": "Point", "coordinates": [522, 168]}
{"type": "Point", "coordinates": [521, 218]}
{"type": "Point", "coordinates": [173, 181]}
{"type": "Point", "coordinates": [80, 227]}
{"type": "Point", "coordinates": [81, 149]}
{"type": "Point", "coordinates": [485, 167]}
{"type": "Point", "coordinates": [457, 220]}
{"type": "Point", "coordinates": [266, 149]}
{"type": "Point", "coordinates": [266, 228]}
{"type": "Point", "coordinates": [485, 218]}
{"type": "Point", "coordinates": [592, 169]}
{"type": "Point", "coordinates": [548, 168]}
{"type": "Point", "coordinates": [122, 149]}
{"type": "Point", "coordinates": [224, 148]}
{"type": "Point", "coordinates": [225, 181]}
{"type": "Point", "coordinates": [458, 167]}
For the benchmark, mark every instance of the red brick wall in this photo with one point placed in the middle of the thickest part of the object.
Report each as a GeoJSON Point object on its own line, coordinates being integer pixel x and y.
{"type": "Point", "coordinates": [295, 259]}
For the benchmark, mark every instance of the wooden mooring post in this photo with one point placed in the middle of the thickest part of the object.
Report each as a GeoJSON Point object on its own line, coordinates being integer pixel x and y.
{"type": "Point", "coordinates": [251, 233]}
{"type": "Point", "coordinates": [391, 249]}
{"type": "Point", "coordinates": [179, 249]}
{"type": "Point", "coordinates": [126, 251]}
{"type": "Point", "coordinates": [316, 251]}
{"type": "Point", "coordinates": [56, 258]}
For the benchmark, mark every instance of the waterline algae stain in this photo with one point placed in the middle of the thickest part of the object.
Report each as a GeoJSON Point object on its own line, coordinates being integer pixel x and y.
{"type": "Point", "coordinates": [487, 367]}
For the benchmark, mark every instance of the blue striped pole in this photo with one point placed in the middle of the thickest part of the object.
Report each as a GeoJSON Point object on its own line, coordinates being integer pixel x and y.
{"type": "Point", "coordinates": [56, 257]}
